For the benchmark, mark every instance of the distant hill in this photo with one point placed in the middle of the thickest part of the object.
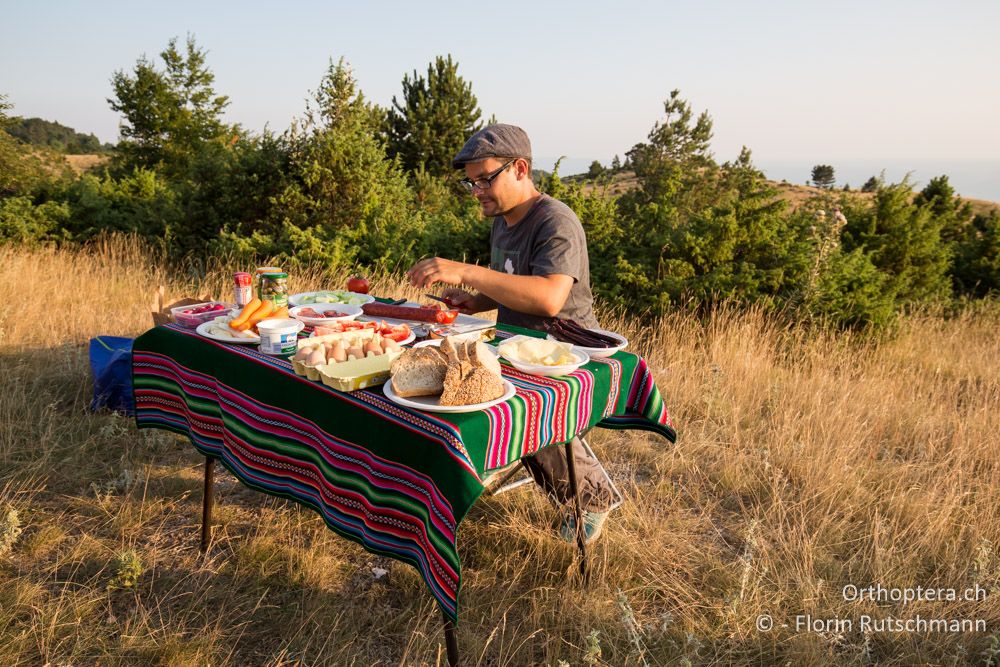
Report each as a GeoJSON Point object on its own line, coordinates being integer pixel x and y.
{"type": "Point", "coordinates": [794, 194]}
{"type": "Point", "coordinates": [58, 137]}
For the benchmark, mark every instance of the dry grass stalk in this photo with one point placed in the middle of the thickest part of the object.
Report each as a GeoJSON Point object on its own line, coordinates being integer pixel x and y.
{"type": "Point", "coordinates": [807, 461]}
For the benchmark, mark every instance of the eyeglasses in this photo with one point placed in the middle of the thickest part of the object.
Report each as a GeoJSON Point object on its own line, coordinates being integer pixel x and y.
{"type": "Point", "coordinates": [484, 182]}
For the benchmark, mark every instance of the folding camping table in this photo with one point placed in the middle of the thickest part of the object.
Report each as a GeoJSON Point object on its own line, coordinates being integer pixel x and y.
{"type": "Point", "coordinates": [396, 480]}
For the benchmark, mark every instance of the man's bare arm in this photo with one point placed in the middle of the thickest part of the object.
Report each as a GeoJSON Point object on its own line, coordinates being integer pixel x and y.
{"type": "Point", "coordinates": [544, 296]}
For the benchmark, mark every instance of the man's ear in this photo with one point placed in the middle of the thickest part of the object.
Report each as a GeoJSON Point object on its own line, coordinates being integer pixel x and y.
{"type": "Point", "coordinates": [522, 168]}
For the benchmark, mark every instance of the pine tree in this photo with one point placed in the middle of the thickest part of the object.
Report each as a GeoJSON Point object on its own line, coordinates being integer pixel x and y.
{"type": "Point", "coordinates": [904, 241]}
{"type": "Point", "coordinates": [434, 118]}
{"type": "Point", "coordinates": [953, 214]}
{"type": "Point", "coordinates": [696, 230]}
{"type": "Point", "coordinates": [345, 202]}
{"type": "Point", "coordinates": [674, 145]}
{"type": "Point", "coordinates": [823, 176]}
{"type": "Point", "coordinates": [977, 264]}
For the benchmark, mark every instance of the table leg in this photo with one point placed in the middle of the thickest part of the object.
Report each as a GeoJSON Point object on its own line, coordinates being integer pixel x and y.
{"type": "Point", "coordinates": [451, 642]}
{"type": "Point", "coordinates": [208, 500]}
{"type": "Point", "coordinates": [506, 478]}
{"type": "Point", "coordinates": [581, 532]}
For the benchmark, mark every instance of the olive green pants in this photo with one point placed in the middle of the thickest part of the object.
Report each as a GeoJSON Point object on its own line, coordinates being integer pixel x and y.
{"type": "Point", "coordinates": [548, 468]}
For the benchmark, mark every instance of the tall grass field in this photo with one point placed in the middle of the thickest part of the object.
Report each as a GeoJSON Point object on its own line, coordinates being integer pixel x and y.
{"type": "Point", "coordinates": [822, 485]}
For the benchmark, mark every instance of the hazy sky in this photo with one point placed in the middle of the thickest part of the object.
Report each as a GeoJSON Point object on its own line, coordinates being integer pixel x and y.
{"type": "Point", "coordinates": [795, 81]}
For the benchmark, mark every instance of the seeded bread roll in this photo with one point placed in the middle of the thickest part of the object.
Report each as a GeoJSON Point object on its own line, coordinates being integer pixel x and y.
{"type": "Point", "coordinates": [465, 384]}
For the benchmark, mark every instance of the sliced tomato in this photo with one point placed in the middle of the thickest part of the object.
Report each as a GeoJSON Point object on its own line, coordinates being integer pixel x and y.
{"type": "Point", "coordinates": [397, 333]}
{"type": "Point", "coordinates": [446, 316]}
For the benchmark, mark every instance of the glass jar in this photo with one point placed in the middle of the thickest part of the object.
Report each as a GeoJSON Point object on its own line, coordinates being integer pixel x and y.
{"type": "Point", "coordinates": [273, 287]}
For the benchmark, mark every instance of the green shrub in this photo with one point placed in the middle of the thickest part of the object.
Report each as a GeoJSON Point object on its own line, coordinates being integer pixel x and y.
{"type": "Point", "coordinates": [904, 241]}
{"type": "Point", "coordinates": [141, 202]}
{"type": "Point", "coordinates": [25, 223]}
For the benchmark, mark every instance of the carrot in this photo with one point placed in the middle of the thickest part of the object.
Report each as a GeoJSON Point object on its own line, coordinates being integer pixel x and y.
{"type": "Point", "coordinates": [245, 314]}
{"type": "Point", "coordinates": [280, 314]}
{"type": "Point", "coordinates": [265, 311]}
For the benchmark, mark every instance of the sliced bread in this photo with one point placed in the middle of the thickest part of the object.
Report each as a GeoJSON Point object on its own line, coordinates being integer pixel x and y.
{"type": "Point", "coordinates": [418, 372]}
{"type": "Point", "coordinates": [480, 355]}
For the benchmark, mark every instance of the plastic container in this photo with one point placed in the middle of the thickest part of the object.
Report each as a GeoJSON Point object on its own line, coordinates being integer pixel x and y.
{"type": "Point", "coordinates": [279, 337]}
{"type": "Point", "coordinates": [354, 383]}
{"type": "Point", "coordinates": [187, 317]}
{"type": "Point", "coordinates": [346, 376]}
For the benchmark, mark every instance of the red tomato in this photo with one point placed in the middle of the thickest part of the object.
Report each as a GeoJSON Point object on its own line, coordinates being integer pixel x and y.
{"type": "Point", "coordinates": [446, 316]}
{"type": "Point", "coordinates": [351, 325]}
{"type": "Point", "coordinates": [397, 333]}
{"type": "Point", "coordinates": [357, 284]}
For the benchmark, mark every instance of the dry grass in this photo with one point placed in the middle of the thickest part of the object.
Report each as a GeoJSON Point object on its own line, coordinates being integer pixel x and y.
{"type": "Point", "coordinates": [806, 462]}
{"type": "Point", "coordinates": [83, 163]}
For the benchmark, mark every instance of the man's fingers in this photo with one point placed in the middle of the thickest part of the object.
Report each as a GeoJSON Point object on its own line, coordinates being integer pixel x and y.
{"type": "Point", "coordinates": [417, 273]}
{"type": "Point", "coordinates": [420, 273]}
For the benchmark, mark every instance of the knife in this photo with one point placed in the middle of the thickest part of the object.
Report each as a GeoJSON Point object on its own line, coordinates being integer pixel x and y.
{"type": "Point", "coordinates": [443, 300]}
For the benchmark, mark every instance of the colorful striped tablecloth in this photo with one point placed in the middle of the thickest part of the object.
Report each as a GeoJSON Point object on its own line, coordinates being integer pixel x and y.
{"type": "Point", "coordinates": [396, 480]}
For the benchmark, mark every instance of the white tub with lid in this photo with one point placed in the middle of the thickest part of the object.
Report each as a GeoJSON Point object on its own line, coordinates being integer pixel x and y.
{"type": "Point", "coordinates": [279, 336]}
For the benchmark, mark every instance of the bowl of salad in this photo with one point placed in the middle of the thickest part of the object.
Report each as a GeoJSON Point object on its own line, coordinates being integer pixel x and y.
{"type": "Point", "coordinates": [329, 296]}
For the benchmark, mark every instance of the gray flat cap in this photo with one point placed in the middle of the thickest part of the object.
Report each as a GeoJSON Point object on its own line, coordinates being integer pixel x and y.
{"type": "Point", "coordinates": [494, 141]}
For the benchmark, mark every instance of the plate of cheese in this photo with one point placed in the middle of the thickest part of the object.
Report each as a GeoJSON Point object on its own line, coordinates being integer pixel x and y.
{"type": "Point", "coordinates": [539, 356]}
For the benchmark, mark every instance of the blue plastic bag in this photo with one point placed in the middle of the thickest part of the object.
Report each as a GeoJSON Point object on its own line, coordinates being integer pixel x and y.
{"type": "Point", "coordinates": [111, 364]}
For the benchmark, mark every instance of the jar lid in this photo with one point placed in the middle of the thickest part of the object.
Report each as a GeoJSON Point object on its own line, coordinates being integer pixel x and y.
{"type": "Point", "coordinates": [276, 274]}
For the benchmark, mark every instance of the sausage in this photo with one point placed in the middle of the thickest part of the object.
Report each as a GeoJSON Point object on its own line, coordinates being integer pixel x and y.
{"type": "Point", "coordinates": [420, 314]}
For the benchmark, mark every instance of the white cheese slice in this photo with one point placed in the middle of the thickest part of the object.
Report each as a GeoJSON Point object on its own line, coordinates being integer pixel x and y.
{"type": "Point", "coordinates": [538, 351]}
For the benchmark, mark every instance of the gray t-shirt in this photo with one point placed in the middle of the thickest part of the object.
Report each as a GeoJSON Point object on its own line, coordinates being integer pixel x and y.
{"type": "Point", "coordinates": [548, 240]}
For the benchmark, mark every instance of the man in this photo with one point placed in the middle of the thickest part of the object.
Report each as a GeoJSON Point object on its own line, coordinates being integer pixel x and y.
{"type": "Point", "coordinates": [538, 270]}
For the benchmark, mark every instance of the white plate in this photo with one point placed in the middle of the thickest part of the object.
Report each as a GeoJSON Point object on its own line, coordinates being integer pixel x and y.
{"type": "Point", "coordinates": [349, 313]}
{"type": "Point", "coordinates": [296, 299]}
{"type": "Point", "coordinates": [437, 343]}
{"type": "Point", "coordinates": [599, 352]}
{"type": "Point", "coordinates": [550, 371]}
{"type": "Point", "coordinates": [463, 323]}
{"type": "Point", "coordinates": [430, 403]}
{"type": "Point", "coordinates": [203, 330]}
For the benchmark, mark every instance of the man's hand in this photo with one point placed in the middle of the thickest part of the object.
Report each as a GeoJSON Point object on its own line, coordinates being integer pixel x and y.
{"type": "Point", "coordinates": [437, 270]}
{"type": "Point", "coordinates": [461, 301]}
